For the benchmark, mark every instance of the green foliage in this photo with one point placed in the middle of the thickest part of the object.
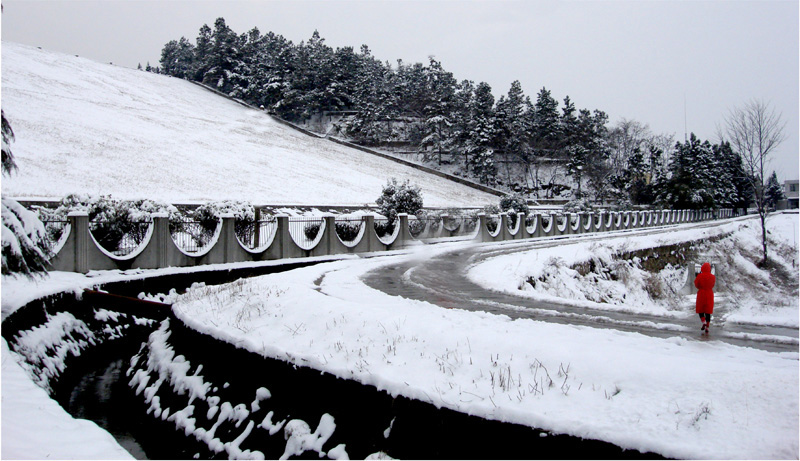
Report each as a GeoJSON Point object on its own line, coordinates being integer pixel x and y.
{"type": "Point", "coordinates": [312, 230]}
{"type": "Point", "coordinates": [420, 105]}
{"type": "Point", "coordinates": [692, 178]}
{"type": "Point", "coordinates": [577, 206]}
{"type": "Point", "coordinates": [348, 231]}
{"type": "Point", "coordinates": [25, 247]}
{"type": "Point", "coordinates": [774, 191]}
{"type": "Point", "coordinates": [209, 214]}
{"type": "Point", "coordinates": [113, 221]}
{"type": "Point", "coordinates": [9, 165]}
{"type": "Point", "coordinates": [399, 198]}
{"type": "Point", "coordinates": [513, 204]}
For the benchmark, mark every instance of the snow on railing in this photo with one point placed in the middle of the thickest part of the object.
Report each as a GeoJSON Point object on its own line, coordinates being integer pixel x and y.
{"type": "Point", "coordinates": [161, 243]}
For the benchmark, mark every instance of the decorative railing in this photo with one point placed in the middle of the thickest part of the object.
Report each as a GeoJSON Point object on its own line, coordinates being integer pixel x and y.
{"type": "Point", "coordinates": [163, 243]}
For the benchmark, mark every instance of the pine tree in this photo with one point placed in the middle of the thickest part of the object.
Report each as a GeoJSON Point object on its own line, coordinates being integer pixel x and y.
{"type": "Point", "coordinates": [25, 250]}
{"type": "Point", "coordinates": [177, 58]}
{"type": "Point", "coordinates": [224, 59]}
{"type": "Point", "coordinates": [513, 120]}
{"type": "Point", "coordinates": [546, 124]}
{"type": "Point", "coordinates": [9, 165]}
{"type": "Point", "coordinates": [480, 134]}
{"type": "Point", "coordinates": [437, 125]}
{"type": "Point", "coordinates": [690, 185]}
{"type": "Point", "coordinates": [774, 191]}
{"type": "Point", "coordinates": [374, 99]}
{"type": "Point", "coordinates": [591, 134]}
{"type": "Point", "coordinates": [202, 53]}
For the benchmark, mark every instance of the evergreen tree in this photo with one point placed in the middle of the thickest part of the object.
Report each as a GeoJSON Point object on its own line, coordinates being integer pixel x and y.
{"type": "Point", "coordinates": [177, 58]}
{"type": "Point", "coordinates": [774, 191]}
{"type": "Point", "coordinates": [202, 53]}
{"type": "Point", "coordinates": [9, 165]}
{"type": "Point", "coordinates": [514, 112]}
{"type": "Point", "coordinates": [25, 250]}
{"type": "Point", "coordinates": [546, 124]}
{"type": "Point", "coordinates": [224, 59]}
{"type": "Point", "coordinates": [741, 181]}
{"type": "Point", "coordinates": [437, 126]}
{"type": "Point", "coordinates": [374, 98]}
{"type": "Point", "coordinates": [479, 136]}
{"type": "Point", "coordinates": [270, 68]}
{"type": "Point", "coordinates": [691, 184]}
{"type": "Point", "coordinates": [591, 134]}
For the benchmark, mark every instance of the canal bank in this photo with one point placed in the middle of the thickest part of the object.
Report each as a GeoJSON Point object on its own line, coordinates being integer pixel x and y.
{"type": "Point", "coordinates": [316, 412]}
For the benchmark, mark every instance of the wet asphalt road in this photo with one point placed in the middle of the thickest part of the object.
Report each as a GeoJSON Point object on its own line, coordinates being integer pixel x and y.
{"type": "Point", "coordinates": [442, 280]}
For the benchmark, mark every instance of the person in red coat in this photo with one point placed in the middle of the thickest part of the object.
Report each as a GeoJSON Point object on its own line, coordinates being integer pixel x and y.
{"type": "Point", "coordinates": [704, 282]}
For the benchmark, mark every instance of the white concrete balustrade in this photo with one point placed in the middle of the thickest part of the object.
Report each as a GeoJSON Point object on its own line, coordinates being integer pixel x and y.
{"type": "Point", "coordinates": [78, 251]}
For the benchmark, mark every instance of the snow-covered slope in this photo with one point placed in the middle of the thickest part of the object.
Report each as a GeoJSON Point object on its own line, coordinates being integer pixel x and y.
{"type": "Point", "coordinates": [84, 126]}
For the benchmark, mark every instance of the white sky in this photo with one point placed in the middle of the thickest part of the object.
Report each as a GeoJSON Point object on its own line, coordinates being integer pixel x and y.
{"type": "Point", "coordinates": [635, 60]}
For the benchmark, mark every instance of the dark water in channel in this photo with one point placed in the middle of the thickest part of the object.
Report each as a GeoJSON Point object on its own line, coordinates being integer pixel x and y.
{"type": "Point", "coordinates": [94, 387]}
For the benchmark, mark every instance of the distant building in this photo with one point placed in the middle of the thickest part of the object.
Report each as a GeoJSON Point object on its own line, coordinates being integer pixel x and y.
{"type": "Point", "coordinates": [790, 189]}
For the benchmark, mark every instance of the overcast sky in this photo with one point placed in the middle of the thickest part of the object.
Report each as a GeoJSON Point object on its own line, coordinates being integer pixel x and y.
{"type": "Point", "coordinates": [636, 60]}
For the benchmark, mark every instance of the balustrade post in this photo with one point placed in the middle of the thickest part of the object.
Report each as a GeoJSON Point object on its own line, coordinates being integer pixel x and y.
{"type": "Point", "coordinates": [282, 236]}
{"type": "Point", "coordinates": [330, 236]}
{"type": "Point", "coordinates": [161, 238]}
{"type": "Point", "coordinates": [504, 234]}
{"type": "Point", "coordinates": [522, 229]}
{"type": "Point", "coordinates": [404, 237]}
{"type": "Point", "coordinates": [568, 227]}
{"type": "Point", "coordinates": [79, 226]}
{"type": "Point", "coordinates": [257, 229]}
{"type": "Point", "coordinates": [482, 230]}
{"type": "Point", "coordinates": [227, 237]}
{"type": "Point", "coordinates": [373, 243]}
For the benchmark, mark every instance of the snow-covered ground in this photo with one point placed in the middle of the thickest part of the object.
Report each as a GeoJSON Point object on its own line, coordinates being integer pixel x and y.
{"type": "Point", "coordinates": [744, 293]}
{"type": "Point", "coordinates": [87, 127]}
{"type": "Point", "coordinates": [679, 398]}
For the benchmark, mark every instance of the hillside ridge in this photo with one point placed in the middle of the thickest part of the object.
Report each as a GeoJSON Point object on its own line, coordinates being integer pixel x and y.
{"type": "Point", "coordinates": [88, 127]}
{"type": "Point", "coordinates": [352, 145]}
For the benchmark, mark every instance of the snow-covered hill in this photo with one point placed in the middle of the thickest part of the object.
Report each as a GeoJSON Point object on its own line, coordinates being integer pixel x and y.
{"type": "Point", "coordinates": [84, 126]}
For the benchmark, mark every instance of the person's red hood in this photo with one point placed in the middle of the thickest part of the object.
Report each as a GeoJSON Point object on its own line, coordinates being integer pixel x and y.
{"type": "Point", "coordinates": [706, 268]}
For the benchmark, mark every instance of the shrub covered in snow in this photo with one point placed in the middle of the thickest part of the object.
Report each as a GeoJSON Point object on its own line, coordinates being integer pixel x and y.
{"type": "Point", "coordinates": [114, 221]}
{"type": "Point", "coordinates": [399, 198]}
{"type": "Point", "coordinates": [513, 204]}
{"type": "Point", "coordinates": [348, 230]}
{"type": "Point", "coordinates": [311, 230]}
{"type": "Point", "coordinates": [25, 248]}
{"type": "Point", "coordinates": [384, 228]}
{"type": "Point", "coordinates": [577, 205]}
{"type": "Point", "coordinates": [209, 214]}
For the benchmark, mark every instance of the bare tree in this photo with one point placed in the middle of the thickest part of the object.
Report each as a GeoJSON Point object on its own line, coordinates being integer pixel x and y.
{"type": "Point", "coordinates": [754, 131]}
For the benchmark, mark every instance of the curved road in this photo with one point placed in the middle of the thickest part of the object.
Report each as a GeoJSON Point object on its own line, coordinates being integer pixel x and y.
{"type": "Point", "coordinates": [442, 280]}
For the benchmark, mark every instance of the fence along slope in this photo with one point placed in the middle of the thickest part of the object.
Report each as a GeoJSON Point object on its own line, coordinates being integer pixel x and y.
{"type": "Point", "coordinates": [79, 251]}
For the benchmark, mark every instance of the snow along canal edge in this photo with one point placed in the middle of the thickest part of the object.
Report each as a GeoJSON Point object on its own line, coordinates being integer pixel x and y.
{"type": "Point", "coordinates": [214, 410]}
{"type": "Point", "coordinates": [678, 398]}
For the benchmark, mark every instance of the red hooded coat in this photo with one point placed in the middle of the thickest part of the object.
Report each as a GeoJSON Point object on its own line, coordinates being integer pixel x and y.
{"type": "Point", "coordinates": [704, 282]}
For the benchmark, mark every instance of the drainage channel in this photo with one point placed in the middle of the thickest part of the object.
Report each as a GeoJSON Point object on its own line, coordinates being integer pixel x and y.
{"type": "Point", "coordinates": [302, 412]}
